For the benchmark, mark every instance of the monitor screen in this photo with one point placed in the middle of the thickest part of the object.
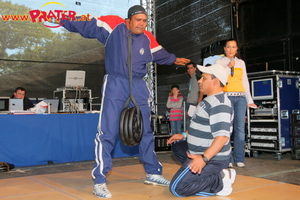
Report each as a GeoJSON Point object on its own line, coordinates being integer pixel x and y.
{"type": "Point", "coordinates": [75, 78]}
{"type": "Point", "coordinates": [4, 103]}
{"type": "Point", "coordinates": [262, 89]}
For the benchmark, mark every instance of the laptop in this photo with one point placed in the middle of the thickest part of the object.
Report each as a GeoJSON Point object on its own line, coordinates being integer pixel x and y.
{"type": "Point", "coordinates": [75, 78]}
{"type": "Point", "coordinates": [16, 105]}
{"type": "Point", "coordinates": [53, 105]}
{"type": "Point", "coordinates": [4, 105]}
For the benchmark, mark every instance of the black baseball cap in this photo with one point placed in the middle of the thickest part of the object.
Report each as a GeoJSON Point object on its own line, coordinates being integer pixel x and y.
{"type": "Point", "coordinates": [134, 10]}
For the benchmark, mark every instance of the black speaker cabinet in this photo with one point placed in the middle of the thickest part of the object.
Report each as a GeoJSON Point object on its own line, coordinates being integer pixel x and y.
{"type": "Point", "coordinates": [295, 130]}
{"type": "Point", "coordinates": [295, 154]}
{"type": "Point", "coordinates": [163, 128]}
{"type": "Point", "coordinates": [295, 119]}
{"type": "Point", "coordinates": [295, 142]}
{"type": "Point", "coordinates": [161, 143]}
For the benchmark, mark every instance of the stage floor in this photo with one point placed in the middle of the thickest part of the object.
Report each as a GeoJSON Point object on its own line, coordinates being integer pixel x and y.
{"type": "Point", "coordinates": [126, 181]}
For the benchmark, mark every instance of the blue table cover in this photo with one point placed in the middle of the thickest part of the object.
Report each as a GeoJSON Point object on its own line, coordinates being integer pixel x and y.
{"type": "Point", "coordinates": [27, 140]}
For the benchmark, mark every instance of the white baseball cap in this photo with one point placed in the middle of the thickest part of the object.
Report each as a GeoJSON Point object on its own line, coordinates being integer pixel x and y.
{"type": "Point", "coordinates": [218, 70]}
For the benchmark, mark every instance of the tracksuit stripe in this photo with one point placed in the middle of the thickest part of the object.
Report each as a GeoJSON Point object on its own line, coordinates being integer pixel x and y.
{"type": "Point", "coordinates": [98, 144]}
{"type": "Point", "coordinates": [184, 172]}
{"type": "Point", "coordinates": [205, 194]}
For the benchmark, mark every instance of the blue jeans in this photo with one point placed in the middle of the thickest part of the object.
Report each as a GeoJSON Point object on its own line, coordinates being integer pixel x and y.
{"type": "Point", "coordinates": [239, 105]}
{"type": "Point", "coordinates": [176, 126]}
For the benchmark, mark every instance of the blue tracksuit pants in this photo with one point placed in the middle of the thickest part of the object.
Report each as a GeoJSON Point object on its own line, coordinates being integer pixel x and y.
{"type": "Point", "coordinates": [115, 92]}
{"type": "Point", "coordinates": [185, 183]}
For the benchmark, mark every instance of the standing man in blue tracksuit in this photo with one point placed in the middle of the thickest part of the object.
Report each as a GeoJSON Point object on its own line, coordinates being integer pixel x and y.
{"type": "Point", "coordinates": [113, 31]}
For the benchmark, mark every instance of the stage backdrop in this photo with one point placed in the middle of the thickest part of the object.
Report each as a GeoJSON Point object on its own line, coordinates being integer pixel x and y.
{"type": "Point", "coordinates": [269, 34]}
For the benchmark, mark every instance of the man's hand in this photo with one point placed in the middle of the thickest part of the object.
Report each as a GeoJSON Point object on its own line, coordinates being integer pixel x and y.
{"type": "Point", "coordinates": [175, 138]}
{"type": "Point", "coordinates": [186, 114]}
{"type": "Point", "coordinates": [196, 164]}
{"type": "Point", "coordinates": [182, 61]}
{"type": "Point", "coordinates": [252, 105]}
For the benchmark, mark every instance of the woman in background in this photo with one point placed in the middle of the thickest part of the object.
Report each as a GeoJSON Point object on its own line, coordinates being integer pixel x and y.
{"type": "Point", "coordinates": [238, 92]}
{"type": "Point", "coordinates": [175, 104]}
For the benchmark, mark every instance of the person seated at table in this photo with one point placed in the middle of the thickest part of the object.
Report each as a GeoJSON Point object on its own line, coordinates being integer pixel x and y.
{"type": "Point", "coordinates": [20, 93]}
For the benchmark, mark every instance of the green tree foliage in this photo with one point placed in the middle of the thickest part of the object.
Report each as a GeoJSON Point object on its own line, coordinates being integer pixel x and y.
{"type": "Point", "coordinates": [27, 41]}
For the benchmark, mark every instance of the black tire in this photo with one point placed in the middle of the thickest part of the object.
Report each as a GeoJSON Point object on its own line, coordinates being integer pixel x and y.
{"type": "Point", "coordinates": [126, 127]}
{"type": "Point", "coordinates": [123, 126]}
{"type": "Point", "coordinates": [135, 126]}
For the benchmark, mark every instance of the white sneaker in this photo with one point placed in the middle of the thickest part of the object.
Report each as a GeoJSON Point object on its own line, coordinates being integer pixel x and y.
{"type": "Point", "coordinates": [100, 190]}
{"type": "Point", "coordinates": [155, 179]}
{"type": "Point", "coordinates": [230, 165]}
{"type": "Point", "coordinates": [240, 164]}
{"type": "Point", "coordinates": [228, 180]}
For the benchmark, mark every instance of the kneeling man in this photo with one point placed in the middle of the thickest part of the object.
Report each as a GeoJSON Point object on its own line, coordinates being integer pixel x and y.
{"type": "Point", "coordinates": [205, 154]}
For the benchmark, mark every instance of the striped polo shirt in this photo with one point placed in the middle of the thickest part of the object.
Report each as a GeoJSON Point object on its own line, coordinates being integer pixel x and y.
{"type": "Point", "coordinates": [213, 117]}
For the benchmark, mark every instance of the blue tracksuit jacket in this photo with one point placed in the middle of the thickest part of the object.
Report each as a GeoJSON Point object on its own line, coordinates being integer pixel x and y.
{"type": "Point", "coordinates": [112, 32]}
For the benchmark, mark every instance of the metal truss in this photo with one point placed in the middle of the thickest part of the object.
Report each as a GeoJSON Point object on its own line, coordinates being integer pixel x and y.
{"type": "Point", "coordinates": [150, 78]}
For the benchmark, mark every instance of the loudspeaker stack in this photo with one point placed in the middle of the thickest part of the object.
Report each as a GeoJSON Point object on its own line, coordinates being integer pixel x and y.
{"type": "Point", "coordinates": [295, 132]}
